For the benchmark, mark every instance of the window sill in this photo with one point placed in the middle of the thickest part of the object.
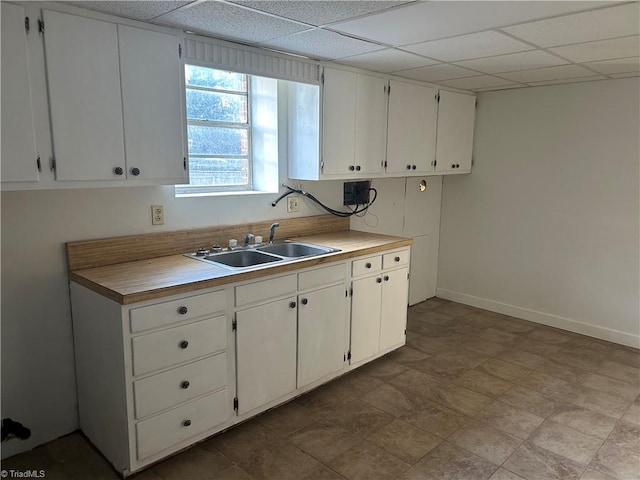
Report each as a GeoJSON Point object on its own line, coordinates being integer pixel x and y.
{"type": "Point", "coordinates": [225, 194]}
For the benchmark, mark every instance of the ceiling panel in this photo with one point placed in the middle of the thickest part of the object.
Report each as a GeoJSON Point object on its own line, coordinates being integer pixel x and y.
{"type": "Point", "coordinates": [475, 45]}
{"type": "Point", "coordinates": [600, 50]}
{"type": "Point", "coordinates": [422, 21]}
{"type": "Point", "coordinates": [387, 60]}
{"type": "Point", "coordinates": [600, 24]}
{"type": "Point", "coordinates": [230, 21]}
{"type": "Point", "coordinates": [513, 62]}
{"type": "Point", "coordinates": [321, 44]}
{"type": "Point", "coordinates": [568, 80]}
{"type": "Point", "coordinates": [137, 10]}
{"type": "Point", "coordinates": [319, 13]}
{"type": "Point", "coordinates": [624, 75]}
{"type": "Point", "coordinates": [436, 73]}
{"type": "Point", "coordinates": [619, 65]}
{"type": "Point", "coordinates": [477, 83]}
{"type": "Point", "coordinates": [549, 73]}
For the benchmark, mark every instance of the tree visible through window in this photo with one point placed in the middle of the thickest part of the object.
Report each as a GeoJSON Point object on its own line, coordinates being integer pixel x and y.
{"type": "Point", "coordinates": [218, 129]}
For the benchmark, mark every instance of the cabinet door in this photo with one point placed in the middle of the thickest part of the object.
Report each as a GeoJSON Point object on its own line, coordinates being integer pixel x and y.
{"type": "Point", "coordinates": [411, 134]}
{"type": "Point", "coordinates": [365, 318]}
{"type": "Point", "coordinates": [338, 121]}
{"type": "Point", "coordinates": [83, 74]}
{"type": "Point", "coordinates": [18, 141]}
{"type": "Point", "coordinates": [266, 353]}
{"type": "Point", "coordinates": [393, 317]}
{"type": "Point", "coordinates": [321, 333]}
{"type": "Point", "coordinates": [371, 124]}
{"type": "Point", "coordinates": [456, 117]}
{"type": "Point", "coordinates": [151, 105]}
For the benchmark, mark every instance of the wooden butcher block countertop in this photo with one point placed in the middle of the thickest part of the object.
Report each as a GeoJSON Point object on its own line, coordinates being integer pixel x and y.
{"type": "Point", "coordinates": [153, 278]}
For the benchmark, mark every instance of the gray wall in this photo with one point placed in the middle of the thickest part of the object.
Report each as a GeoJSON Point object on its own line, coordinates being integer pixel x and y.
{"type": "Point", "coordinates": [547, 225]}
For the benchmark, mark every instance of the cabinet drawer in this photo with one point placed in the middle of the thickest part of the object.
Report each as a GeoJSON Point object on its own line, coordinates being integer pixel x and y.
{"type": "Point", "coordinates": [165, 313]}
{"type": "Point", "coordinates": [321, 276]}
{"type": "Point", "coordinates": [265, 290]}
{"type": "Point", "coordinates": [178, 344]}
{"type": "Point", "coordinates": [395, 259]}
{"type": "Point", "coordinates": [162, 431]}
{"type": "Point", "coordinates": [366, 265]}
{"type": "Point", "coordinates": [167, 389]}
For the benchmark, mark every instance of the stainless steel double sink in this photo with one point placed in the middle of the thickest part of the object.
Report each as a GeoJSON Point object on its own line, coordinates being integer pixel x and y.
{"type": "Point", "coordinates": [253, 256]}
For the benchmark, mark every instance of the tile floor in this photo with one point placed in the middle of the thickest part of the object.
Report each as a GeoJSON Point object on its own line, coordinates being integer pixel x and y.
{"type": "Point", "coordinates": [473, 395]}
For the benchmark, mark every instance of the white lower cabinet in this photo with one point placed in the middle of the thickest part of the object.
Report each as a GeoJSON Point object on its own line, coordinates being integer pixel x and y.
{"type": "Point", "coordinates": [266, 353]}
{"type": "Point", "coordinates": [379, 296]}
{"type": "Point", "coordinates": [155, 377]}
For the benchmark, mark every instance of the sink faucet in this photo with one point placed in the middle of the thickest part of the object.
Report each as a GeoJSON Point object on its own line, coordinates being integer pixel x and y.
{"type": "Point", "coordinates": [248, 238]}
{"type": "Point", "coordinates": [272, 231]}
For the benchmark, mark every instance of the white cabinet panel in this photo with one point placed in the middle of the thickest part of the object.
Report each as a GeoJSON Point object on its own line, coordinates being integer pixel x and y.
{"type": "Point", "coordinates": [338, 121]}
{"type": "Point", "coordinates": [18, 140]}
{"type": "Point", "coordinates": [393, 316]}
{"type": "Point", "coordinates": [152, 110]}
{"type": "Point", "coordinates": [371, 124]}
{"type": "Point", "coordinates": [456, 117]}
{"type": "Point", "coordinates": [83, 74]}
{"type": "Point", "coordinates": [365, 318]}
{"type": "Point", "coordinates": [411, 136]}
{"type": "Point", "coordinates": [266, 353]}
{"type": "Point", "coordinates": [321, 333]}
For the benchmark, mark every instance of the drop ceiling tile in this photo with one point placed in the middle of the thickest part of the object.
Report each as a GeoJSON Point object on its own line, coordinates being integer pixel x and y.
{"type": "Point", "coordinates": [476, 83]}
{"type": "Point", "coordinates": [500, 87]}
{"type": "Point", "coordinates": [600, 50]}
{"type": "Point", "coordinates": [319, 13]}
{"type": "Point", "coordinates": [422, 21]}
{"type": "Point", "coordinates": [611, 22]}
{"type": "Point", "coordinates": [229, 21]}
{"type": "Point", "coordinates": [513, 61]}
{"type": "Point", "coordinates": [436, 73]}
{"type": "Point", "coordinates": [568, 80]}
{"type": "Point", "coordinates": [321, 44]}
{"type": "Point", "coordinates": [137, 10]}
{"type": "Point", "coordinates": [475, 45]}
{"type": "Point", "coordinates": [386, 61]}
{"type": "Point", "coordinates": [619, 65]}
{"type": "Point", "coordinates": [626, 75]}
{"type": "Point", "coordinates": [548, 73]}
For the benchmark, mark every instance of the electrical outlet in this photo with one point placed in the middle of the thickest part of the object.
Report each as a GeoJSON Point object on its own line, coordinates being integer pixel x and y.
{"type": "Point", "coordinates": [157, 215]}
{"type": "Point", "coordinates": [292, 204]}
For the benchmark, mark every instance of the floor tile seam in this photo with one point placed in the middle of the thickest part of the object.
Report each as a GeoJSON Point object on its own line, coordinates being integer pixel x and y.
{"type": "Point", "coordinates": [553, 454]}
{"type": "Point", "coordinates": [618, 447]}
{"type": "Point", "coordinates": [391, 453]}
{"type": "Point", "coordinates": [521, 441]}
{"type": "Point", "coordinates": [456, 446]}
{"type": "Point", "coordinates": [371, 444]}
{"type": "Point", "coordinates": [495, 376]}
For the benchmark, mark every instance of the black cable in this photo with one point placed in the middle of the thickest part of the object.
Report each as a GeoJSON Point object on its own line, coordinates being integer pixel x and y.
{"type": "Point", "coordinates": [330, 210]}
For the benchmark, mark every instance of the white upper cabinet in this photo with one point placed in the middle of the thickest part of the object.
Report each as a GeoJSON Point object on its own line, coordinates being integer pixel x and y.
{"type": "Point", "coordinates": [456, 116]}
{"type": "Point", "coordinates": [151, 105]}
{"type": "Point", "coordinates": [371, 124]}
{"type": "Point", "coordinates": [83, 73]}
{"type": "Point", "coordinates": [18, 140]}
{"type": "Point", "coordinates": [411, 136]}
{"type": "Point", "coordinates": [115, 100]}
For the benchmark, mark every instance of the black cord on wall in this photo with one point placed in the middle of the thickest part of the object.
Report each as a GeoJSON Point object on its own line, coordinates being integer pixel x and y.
{"type": "Point", "coordinates": [330, 210]}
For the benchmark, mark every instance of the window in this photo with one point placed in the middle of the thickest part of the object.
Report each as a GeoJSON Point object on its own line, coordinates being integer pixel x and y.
{"type": "Point", "coordinates": [232, 130]}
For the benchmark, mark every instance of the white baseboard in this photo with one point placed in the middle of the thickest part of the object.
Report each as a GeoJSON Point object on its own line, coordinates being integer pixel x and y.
{"type": "Point", "coordinates": [551, 320]}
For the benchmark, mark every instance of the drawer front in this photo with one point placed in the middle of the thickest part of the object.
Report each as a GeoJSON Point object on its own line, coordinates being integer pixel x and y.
{"type": "Point", "coordinates": [366, 265]}
{"type": "Point", "coordinates": [395, 259]}
{"type": "Point", "coordinates": [165, 313]}
{"type": "Point", "coordinates": [178, 344]}
{"type": "Point", "coordinates": [265, 290]}
{"type": "Point", "coordinates": [321, 276]}
{"type": "Point", "coordinates": [164, 390]}
{"type": "Point", "coordinates": [162, 431]}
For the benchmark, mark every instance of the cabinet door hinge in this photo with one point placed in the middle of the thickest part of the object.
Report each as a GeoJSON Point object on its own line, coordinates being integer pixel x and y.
{"type": "Point", "coordinates": [435, 163]}
{"type": "Point", "coordinates": [40, 25]}
{"type": "Point", "coordinates": [235, 404]}
{"type": "Point", "coordinates": [179, 50]}
{"type": "Point", "coordinates": [438, 97]}
{"type": "Point", "coordinates": [389, 90]}
{"type": "Point", "coordinates": [385, 164]}
{"type": "Point", "coordinates": [38, 163]}
{"type": "Point", "coordinates": [476, 103]}
{"type": "Point", "coordinates": [349, 355]}
{"type": "Point", "coordinates": [26, 24]}
{"type": "Point", "coordinates": [344, 357]}
{"type": "Point", "coordinates": [234, 324]}
{"type": "Point", "coordinates": [321, 167]}
{"type": "Point", "coordinates": [408, 274]}
{"type": "Point", "coordinates": [52, 165]}
{"type": "Point", "coordinates": [346, 293]}
{"type": "Point", "coordinates": [322, 78]}
{"type": "Point", "coordinates": [184, 163]}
